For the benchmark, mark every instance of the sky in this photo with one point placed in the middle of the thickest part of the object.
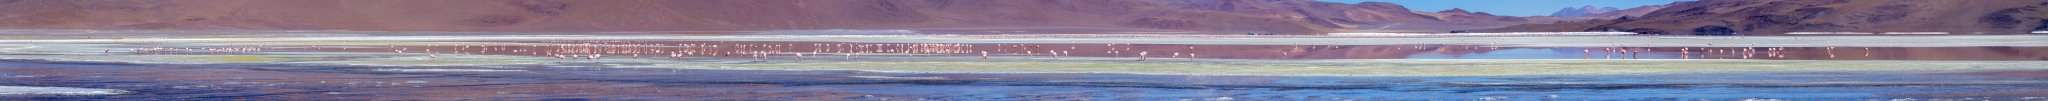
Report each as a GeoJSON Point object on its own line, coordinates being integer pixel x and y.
{"type": "Point", "coordinates": [1512, 7]}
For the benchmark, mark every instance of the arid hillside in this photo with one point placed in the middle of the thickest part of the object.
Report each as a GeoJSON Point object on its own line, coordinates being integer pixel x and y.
{"type": "Point", "coordinates": [1775, 17]}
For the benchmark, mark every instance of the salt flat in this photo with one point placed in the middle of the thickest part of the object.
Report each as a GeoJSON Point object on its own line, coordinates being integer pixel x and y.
{"type": "Point", "coordinates": [26, 90]}
{"type": "Point", "coordinates": [1526, 41]}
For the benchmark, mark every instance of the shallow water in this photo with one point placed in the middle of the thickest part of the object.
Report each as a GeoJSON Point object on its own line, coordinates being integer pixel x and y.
{"type": "Point", "coordinates": [271, 81]}
{"type": "Point", "coordinates": [505, 68]}
{"type": "Point", "coordinates": [1208, 51]}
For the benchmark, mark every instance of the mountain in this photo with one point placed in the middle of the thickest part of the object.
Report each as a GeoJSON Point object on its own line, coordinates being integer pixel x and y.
{"type": "Point", "coordinates": [1365, 16]}
{"type": "Point", "coordinates": [1630, 12]}
{"type": "Point", "coordinates": [1569, 12]}
{"type": "Point", "coordinates": [1775, 17]}
{"type": "Point", "coordinates": [946, 16]}
{"type": "Point", "coordinates": [1590, 12]}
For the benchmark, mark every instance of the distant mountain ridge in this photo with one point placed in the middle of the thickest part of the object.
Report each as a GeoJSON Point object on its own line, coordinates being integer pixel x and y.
{"type": "Point", "coordinates": [1589, 10]}
{"type": "Point", "coordinates": [1776, 17]}
{"type": "Point", "coordinates": [1630, 12]}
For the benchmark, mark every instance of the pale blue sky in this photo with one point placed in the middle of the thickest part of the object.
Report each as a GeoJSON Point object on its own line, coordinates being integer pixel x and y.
{"type": "Point", "coordinates": [1512, 7]}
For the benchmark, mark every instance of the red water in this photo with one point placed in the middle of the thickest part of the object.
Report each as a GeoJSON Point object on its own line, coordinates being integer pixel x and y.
{"type": "Point", "coordinates": [599, 49]}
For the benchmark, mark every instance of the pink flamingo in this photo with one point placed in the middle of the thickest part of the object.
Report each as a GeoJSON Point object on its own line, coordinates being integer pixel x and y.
{"type": "Point", "coordinates": [1067, 53]}
{"type": "Point", "coordinates": [1685, 51]}
{"type": "Point", "coordinates": [1055, 54]}
{"type": "Point", "coordinates": [1637, 52]}
{"type": "Point", "coordinates": [1588, 53]}
{"type": "Point", "coordinates": [1141, 55]}
{"type": "Point", "coordinates": [1866, 51]}
{"type": "Point", "coordinates": [1609, 54]}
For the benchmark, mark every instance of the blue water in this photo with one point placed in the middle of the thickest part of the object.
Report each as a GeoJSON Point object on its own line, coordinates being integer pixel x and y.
{"type": "Point", "coordinates": [955, 86]}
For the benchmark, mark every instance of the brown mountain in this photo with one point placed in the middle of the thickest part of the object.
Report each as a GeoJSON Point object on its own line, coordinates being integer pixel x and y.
{"type": "Point", "coordinates": [963, 16]}
{"type": "Point", "coordinates": [1351, 17]}
{"type": "Point", "coordinates": [1630, 12]}
{"type": "Point", "coordinates": [1773, 17]}
{"type": "Point", "coordinates": [1589, 10]}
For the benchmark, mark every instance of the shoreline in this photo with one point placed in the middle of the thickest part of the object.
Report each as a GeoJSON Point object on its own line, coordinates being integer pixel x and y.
{"type": "Point", "coordinates": [1533, 41]}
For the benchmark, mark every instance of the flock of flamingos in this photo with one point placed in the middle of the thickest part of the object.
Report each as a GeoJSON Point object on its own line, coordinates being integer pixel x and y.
{"type": "Point", "coordinates": [593, 50]}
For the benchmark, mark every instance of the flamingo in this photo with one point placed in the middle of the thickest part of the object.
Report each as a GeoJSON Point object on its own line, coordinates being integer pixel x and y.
{"type": "Point", "coordinates": [1117, 53]}
{"type": "Point", "coordinates": [1030, 53]}
{"type": "Point", "coordinates": [1055, 54]}
{"type": "Point", "coordinates": [1067, 53]}
{"type": "Point", "coordinates": [1632, 54]}
{"type": "Point", "coordinates": [1627, 52]}
{"type": "Point", "coordinates": [1866, 51]}
{"type": "Point", "coordinates": [1588, 53]}
{"type": "Point", "coordinates": [1609, 54]}
{"type": "Point", "coordinates": [1141, 55]}
{"type": "Point", "coordinates": [1494, 45]}
{"type": "Point", "coordinates": [1685, 51]}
